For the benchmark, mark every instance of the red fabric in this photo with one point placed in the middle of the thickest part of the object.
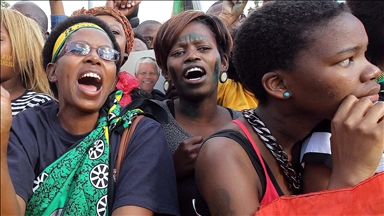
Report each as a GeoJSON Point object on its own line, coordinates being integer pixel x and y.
{"type": "Point", "coordinates": [366, 198]}
{"type": "Point", "coordinates": [270, 190]}
{"type": "Point", "coordinates": [126, 83]}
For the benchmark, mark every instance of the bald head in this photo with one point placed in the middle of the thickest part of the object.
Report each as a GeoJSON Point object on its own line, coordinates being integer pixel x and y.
{"type": "Point", "coordinates": [148, 30]}
{"type": "Point", "coordinates": [33, 11]}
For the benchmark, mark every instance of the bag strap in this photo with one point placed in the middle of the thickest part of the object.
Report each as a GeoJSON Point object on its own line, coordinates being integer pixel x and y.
{"type": "Point", "coordinates": [125, 137]}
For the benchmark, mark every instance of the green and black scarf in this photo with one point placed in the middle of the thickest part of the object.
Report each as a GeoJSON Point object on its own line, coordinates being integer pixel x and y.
{"type": "Point", "coordinates": [77, 182]}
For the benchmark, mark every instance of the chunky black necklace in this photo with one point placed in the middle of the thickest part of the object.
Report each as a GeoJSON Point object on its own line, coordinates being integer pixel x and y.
{"type": "Point", "coordinates": [276, 150]}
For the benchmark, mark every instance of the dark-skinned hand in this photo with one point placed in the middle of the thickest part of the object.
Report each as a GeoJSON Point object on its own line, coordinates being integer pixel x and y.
{"type": "Point", "coordinates": [231, 10]}
{"type": "Point", "coordinates": [357, 141]}
{"type": "Point", "coordinates": [124, 6]}
{"type": "Point", "coordinates": [184, 157]}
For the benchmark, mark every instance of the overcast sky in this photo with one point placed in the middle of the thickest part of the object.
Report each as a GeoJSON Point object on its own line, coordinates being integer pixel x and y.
{"type": "Point", "coordinates": [149, 10]}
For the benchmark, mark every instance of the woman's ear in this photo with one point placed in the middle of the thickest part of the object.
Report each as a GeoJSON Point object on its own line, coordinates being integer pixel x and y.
{"type": "Point", "coordinates": [165, 74]}
{"type": "Point", "coordinates": [273, 84]}
{"type": "Point", "coordinates": [51, 72]}
{"type": "Point", "coordinates": [224, 63]}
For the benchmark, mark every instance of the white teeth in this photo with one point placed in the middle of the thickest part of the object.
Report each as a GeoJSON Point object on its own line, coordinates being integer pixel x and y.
{"type": "Point", "coordinates": [195, 79]}
{"type": "Point", "coordinates": [193, 69]}
{"type": "Point", "coordinates": [94, 75]}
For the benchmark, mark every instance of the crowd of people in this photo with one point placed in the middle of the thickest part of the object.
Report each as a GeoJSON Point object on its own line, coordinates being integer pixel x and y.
{"type": "Point", "coordinates": [283, 101]}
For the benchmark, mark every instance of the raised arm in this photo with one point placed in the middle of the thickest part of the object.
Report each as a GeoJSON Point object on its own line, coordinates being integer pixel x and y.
{"type": "Point", "coordinates": [57, 12]}
{"type": "Point", "coordinates": [227, 179]}
{"type": "Point", "coordinates": [231, 10]}
{"type": "Point", "coordinates": [124, 6]}
{"type": "Point", "coordinates": [57, 7]}
{"type": "Point", "coordinates": [11, 203]}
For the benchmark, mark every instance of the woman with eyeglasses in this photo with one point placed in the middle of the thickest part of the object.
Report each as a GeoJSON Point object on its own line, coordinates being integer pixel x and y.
{"type": "Point", "coordinates": [61, 158]}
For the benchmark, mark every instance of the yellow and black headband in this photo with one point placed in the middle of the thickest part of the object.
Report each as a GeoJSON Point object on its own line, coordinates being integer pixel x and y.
{"type": "Point", "coordinates": [64, 36]}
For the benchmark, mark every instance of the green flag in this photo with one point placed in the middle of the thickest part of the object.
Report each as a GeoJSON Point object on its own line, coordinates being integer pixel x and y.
{"type": "Point", "coordinates": [183, 5]}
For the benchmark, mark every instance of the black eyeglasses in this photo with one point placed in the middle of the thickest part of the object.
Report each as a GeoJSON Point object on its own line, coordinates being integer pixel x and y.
{"type": "Point", "coordinates": [81, 48]}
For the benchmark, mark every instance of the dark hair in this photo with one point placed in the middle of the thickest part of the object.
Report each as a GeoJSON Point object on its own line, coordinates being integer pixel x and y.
{"type": "Point", "coordinates": [169, 32]}
{"type": "Point", "coordinates": [272, 36]}
{"type": "Point", "coordinates": [146, 22]}
{"type": "Point", "coordinates": [371, 14]}
{"type": "Point", "coordinates": [140, 37]}
{"type": "Point", "coordinates": [232, 74]}
{"type": "Point", "coordinates": [61, 27]}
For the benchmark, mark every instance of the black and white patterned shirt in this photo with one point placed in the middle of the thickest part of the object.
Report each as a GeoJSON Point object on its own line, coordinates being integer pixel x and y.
{"type": "Point", "coordinates": [27, 100]}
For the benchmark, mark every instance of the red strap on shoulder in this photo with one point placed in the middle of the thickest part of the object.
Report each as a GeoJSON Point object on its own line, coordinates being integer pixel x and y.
{"type": "Point", "coordinates": [270, 190]}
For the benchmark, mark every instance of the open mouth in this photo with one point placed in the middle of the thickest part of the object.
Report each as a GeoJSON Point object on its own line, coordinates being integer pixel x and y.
{"type": "Point", "coordinates": [194, 73]}
{"type": "Point", "coordinates": [147, 81]}
{"type": "Point", "coordinates": [90, 81]}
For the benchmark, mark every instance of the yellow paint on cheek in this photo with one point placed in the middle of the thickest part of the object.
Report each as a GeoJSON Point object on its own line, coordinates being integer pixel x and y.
{"type": "Point", "coordinates": [6, 60]}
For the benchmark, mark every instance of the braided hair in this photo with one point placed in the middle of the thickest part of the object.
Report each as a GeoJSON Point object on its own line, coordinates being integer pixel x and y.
{"type": "Point", "coordinates": [109, 11]}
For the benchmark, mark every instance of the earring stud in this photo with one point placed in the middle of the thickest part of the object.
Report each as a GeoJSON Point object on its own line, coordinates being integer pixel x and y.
{"type": "Point", "coordinates": [286, 94]}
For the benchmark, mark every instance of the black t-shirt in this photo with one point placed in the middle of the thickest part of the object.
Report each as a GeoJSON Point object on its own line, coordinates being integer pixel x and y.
{"type": "Point", "coordinates": [146, 178]}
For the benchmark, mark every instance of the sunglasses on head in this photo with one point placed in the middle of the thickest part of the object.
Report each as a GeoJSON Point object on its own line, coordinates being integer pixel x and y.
{"type": "Point", "coordinates": [82, 48]}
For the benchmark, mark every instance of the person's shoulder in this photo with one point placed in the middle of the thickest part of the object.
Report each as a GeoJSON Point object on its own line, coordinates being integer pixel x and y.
{"type": "Point", "coordinates": [35, 119]}
{"type": "Point", "coordinates": [148, 122]}
{"type": "Point", "coordinates": [36, 112]}
{"type": "Point", "coordinates": [148, 137]}
{"type": "Point", "coordinates": [158, 95]}
{"type": "Point", "coordinates": [147, 127]}
{"type": "Point", "coordinates": [163, 104]}
{"type": "Point", "coordinates": [234, 113]}
{"type": "Point", "coordinates": [43, 107]}
{"type": "Point", "coordinates": [41, 97]}
{"type": "Point", "coordinates": [160, 102]}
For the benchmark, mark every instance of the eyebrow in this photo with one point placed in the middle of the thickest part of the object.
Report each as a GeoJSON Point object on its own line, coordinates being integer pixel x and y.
{"type": "Point", "coordinates": [117, 24]}
{"type": "Point", "coordinates": [349, 49]}
{"type": "Point", "coordinates": [192, 37]}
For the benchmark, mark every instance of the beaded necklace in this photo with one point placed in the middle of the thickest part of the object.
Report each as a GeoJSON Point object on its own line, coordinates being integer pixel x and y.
{"type": "Point", "coordinates": [276, 150]}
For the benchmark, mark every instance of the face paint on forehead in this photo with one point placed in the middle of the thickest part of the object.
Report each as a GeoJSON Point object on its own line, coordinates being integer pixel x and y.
{"type": "Point", "coordinates": [192, 37]}
{"type": "Point", "coordinates": [7, 60]}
